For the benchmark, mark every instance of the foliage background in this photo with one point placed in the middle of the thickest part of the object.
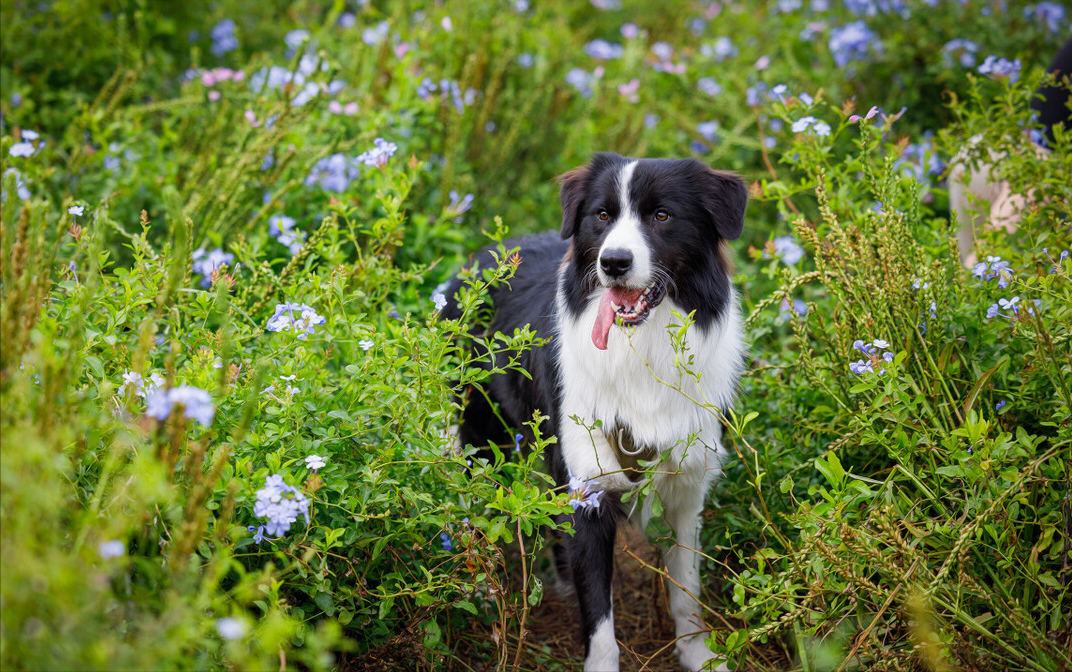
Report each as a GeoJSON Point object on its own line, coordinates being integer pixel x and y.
{"type": "Point", "coordinates": [913, 519]}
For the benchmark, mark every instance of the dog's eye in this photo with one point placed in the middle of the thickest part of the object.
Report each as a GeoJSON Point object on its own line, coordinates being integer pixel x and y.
{"type": "Point", "coordinates": [603, 215]}
{"type": "Point", "coordinates": [661, 215]}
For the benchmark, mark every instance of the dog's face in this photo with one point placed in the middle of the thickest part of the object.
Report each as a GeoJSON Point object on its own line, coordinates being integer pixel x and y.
{"type": "Point", "coordinates": [646, 229]}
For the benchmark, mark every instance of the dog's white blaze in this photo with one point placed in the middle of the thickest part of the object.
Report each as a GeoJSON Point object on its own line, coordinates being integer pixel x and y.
{"type": "Point", "coordinates": [626, 234]}
{"type": "Point", "coordinates": [603, 648]}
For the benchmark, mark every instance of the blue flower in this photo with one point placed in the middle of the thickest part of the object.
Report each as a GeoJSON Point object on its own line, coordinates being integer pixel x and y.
{"type": "Point", "coordinates": [111, 549]}
{"type": "Point", "coordinates": [223, 37]}
{"type": "Point", "coordinates": [709, 86]}
{"type": "Point", "coordinates": [208, 263]}
{"type": "Point", "coordinates": [818, 127]}
{"type": "Point", "coordinates": [296, 317]}
{"type": "Point", "coordinates": [333, 173]}
{"type": "Point", "coordinates": [877, 356]}
{"type": "Point", "coordinates": [603, 50]}
{"type": "Point", "coordinates": [446, 543]}
{"type": "Point", "coordinates": [582, 80]}
{"type": "Point", "coordinates": [997, 406]}
{"type": "Point", "coordinates": [787, 249]}
{"type": "Point", "coordinates": [458, 205]}
{"type": "Point", "coordinates": [707, 129]}
{"type": "Point", "coordinates": [1051, 13]}
{"type": "Point", "coordinates": [197, 403]}
{"type": "Point", "coordinates": [377, 156]}
{"type": "Point", "coordinates": [230, 628]}
{"type": "Point", "coordinates": [377, 34]}
{"type": "Point", "coordinates": [852, 43]}
{"type": "Point", "coordinates": [581, 495]}
{"type": "Point", "coordinates": [963, 49]}
{"type": "Point", "coordinates": [1000, 68]}
{"type": "Point", "coordinates": [282, 229]}
{"type": "Point", "coordinates": [720, 49]}
{"type": "Point", "coordinates": [21, 190]}
{"type": "Point", "coordinates": [281, 504]}
{"type": "Point", "coordinates": [22, 149]}
{"type": "Point", "coordinates": [440, 300]}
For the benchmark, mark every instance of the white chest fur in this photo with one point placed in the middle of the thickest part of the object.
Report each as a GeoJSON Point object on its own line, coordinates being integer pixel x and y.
{"type": "Point", "coordinates": [643, 382]}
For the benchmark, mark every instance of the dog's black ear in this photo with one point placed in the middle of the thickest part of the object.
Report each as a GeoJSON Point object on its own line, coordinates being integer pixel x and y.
{"type": "Point", "coordinates": [724, 197]}
{"type": "Point", "coordinates": [574, 188]}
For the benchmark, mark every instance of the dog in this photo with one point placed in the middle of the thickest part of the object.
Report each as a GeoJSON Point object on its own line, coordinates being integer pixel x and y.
{"type": "Point", "coordinates": [642, 251]}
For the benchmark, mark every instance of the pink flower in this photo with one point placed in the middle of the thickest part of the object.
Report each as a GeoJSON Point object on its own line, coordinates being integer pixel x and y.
{"type": "Point", "coordinates": [335, 107]}
{"type": "Point", "coordinates": [213, 95]}
{"type": "Point", "coordinates": [350, 109]}
{"type": "Point", "coordinates": [208, 78]}
{"type": "Point", "coordinates": [238, 76]}
{"type": "Point", "coordinates": [251, 117]}
{"type": "Point", "coordinates": [401, 49]}
{"type": "Point", "coordinates": [629, 89]}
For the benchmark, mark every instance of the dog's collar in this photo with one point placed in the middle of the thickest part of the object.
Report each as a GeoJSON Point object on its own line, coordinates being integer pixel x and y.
{"type": "Point", "coordinates": [630, 454]}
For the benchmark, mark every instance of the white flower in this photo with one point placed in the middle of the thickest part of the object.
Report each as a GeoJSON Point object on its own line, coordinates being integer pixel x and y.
{"type": "Point", "coordinates": [366, 344]}
{"type": "Point", "coordinates": [76, 210]}
{"type": "Point", "coordinates": [315, 462]}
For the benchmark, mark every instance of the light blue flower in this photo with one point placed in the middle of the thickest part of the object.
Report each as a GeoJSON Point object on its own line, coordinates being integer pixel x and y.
{"type": "Point", "coordinates": [440, 300]}
{"type": "Point", "coordinates": [709, 86]}
{"type": "Point", "coordinates": [787, 249]}
{"type": "Point", "coordinates": [1000, 68]}
{"type": "Point", "coordinates": [76, 210]}
{"type": "Point", "coordinates": [377, 34]}
{"type": "Point", "coordinates": [111, 549]}
{"type": "Point", "coordinates": [281, 504]}
{"type": "Point", "coordinates": [282, 229]}
{"type": "Point", "coordinates": [22, 149]}
{"type": "Point", "coordinates": [223, 37]}
{"type": "Point", "coordinates": [852, 42]}
{"type": "Point", "coordinates": [315, 462]}
{"type": "Point", "coordinates": [297, 317]}
{"type": "Point", "coordinates": [207, 263]}
{"type": "Point", "coordinates": [377, 157]}
{"type": "Point", "coordinates": [604, 50]}
{"type": "Point", "coordinates": [1050, 13]}
{"type": "Point", "coordinates": [581, 494]}
{"type": "Point", "coordinates": [230, 628]}
{"type": "Point", "coordinates": [708, 129]}
{"type": "Point", "coordinates": [196, 403]}
{"type": "Point", "coordinates": [964, 50]}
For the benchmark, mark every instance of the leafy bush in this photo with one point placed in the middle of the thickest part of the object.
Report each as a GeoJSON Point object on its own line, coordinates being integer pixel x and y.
{"type": "Point", "coordinates": [227, 399]}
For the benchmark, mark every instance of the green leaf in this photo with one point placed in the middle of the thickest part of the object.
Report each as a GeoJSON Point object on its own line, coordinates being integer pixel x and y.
{"type": "Point", "coordinates": [970, 401]}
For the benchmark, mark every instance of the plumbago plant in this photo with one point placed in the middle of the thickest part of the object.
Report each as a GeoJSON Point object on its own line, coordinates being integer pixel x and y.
{"type": "Point", "coordinates": [906, 464]}
{"type": "Point", "coordinates": [236, 456]}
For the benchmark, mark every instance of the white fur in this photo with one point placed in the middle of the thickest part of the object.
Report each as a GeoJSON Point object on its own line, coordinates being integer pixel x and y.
{"type": "Point", "coordinates": [626, 234]}
{"type": "Point", "coordinates": [603, 648]}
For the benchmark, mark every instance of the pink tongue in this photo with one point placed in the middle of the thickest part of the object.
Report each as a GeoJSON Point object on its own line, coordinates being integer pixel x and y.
{"type": "Point", "coordinates": [605, 314]}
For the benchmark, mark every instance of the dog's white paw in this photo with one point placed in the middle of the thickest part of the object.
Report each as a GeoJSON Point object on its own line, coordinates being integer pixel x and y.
{"type": "Point", "coordinates": [693, 653]}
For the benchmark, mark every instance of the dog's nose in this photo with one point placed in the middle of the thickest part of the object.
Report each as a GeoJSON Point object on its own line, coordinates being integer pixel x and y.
{"type": "Point", "coordinates": [616, 263]}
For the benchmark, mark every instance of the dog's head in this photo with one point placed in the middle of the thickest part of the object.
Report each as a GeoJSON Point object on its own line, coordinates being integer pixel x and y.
{"type": "Point", "coordinates": [645, 229]}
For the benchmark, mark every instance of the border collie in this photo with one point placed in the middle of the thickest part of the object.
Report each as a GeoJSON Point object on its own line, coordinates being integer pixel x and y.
{"type": "Point", "coordinates": [641, 250]}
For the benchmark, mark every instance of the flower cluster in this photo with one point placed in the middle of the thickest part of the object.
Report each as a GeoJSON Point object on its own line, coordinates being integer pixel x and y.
{"type": "Point", "coordinates": [449, 88]}
{"type": "Point", "coordinates": [132, 380]}
{"type": "Point", "coordinates": [223, 37]}
{"type": "Point", "coordinates": [378, 155]}
{"type": "Point", "coordinates": [296, 317]}
{"type": "Point", "coordinates": [709, 86]}
{"type": "Point", "coordinates": [852, 42]}
{"type": "Point", "coordinates": [603, 50]}
{"type": "Point", "coordinates": [210, 78]}
{"type": "Point", "coordinates": [333, 173]}
{"type": "Point", "coordinates": [583, 81]}
{"type": "Point", "coordinates": [870, 115]}
{"type": "Point", "coordinates": [581, 495]}
{"type": "Point", "coordinates": [993, 267]}
{"type": "Point", "coordinates": [818, 127]}
{"type": "Point", "coordinates": [21, 190]}
{"type": "Point", "coordinates": [315, 462]}
{"type": "Point", "coordinates": [281, 504]}
{"type": "Point", "coordinates": [1050, 13]}
{"type": "Point", "coordinates": [26, 147]}
{"type": "Point", "coordinates": [719, 50]}
{"type": "Point", "coordinates": [785, 248]}
{"type": "Point", "coordinates": [877, 356]}
{"type": "Point", "coordinates": [1011, 308]}
{"type": "Point", "coordinates": [196, 403]}
{"type": "Point", "coordinates": [282, 229]}
{"type": "Point", "coordinates": [875, 7]}
{"type": "Point", "coordinates": [664, 53]}
{"type": "Point", "coordinates": [964, 51]}
{"type": "Point", "coordinates": [1000, 68]}
{"type": "Point", "coordinates": [207, 263]}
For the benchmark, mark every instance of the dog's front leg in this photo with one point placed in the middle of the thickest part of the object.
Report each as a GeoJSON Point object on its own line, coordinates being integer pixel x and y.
{"type": "Point", "coordinates": [591, 555]}
{"type": "Point", "coordinates": [683, 496]}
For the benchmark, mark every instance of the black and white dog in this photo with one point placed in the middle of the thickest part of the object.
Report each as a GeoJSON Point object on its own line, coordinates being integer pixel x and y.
{"type": "Point", "coordinates": [641, 247]}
